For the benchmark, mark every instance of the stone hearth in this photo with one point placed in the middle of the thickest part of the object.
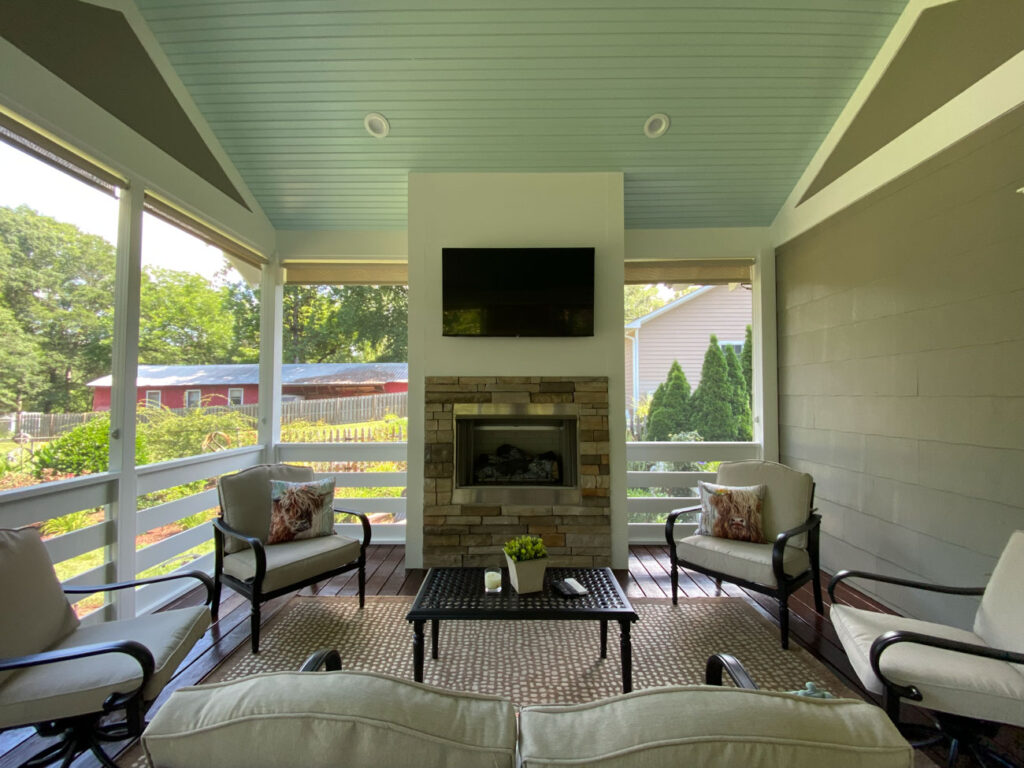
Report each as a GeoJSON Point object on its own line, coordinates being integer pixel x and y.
{"type": "Point", "coordinates": [576, 533]}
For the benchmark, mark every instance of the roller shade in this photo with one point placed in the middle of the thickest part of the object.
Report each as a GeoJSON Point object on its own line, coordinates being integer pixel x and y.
{"type": "Point", "coordinates": [361, 273]}
{"type": "Point", "coordinates": [47, 150]}
{"type": "Point", "coordinates": [695, 271]}
{"type": "Point", "coordinates": [207, 234]}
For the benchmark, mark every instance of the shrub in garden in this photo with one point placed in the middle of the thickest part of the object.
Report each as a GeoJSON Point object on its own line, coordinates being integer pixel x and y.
{"type": "Point", "coordinates": [711, 405]}
{"type": "Point", "coordinates": [81, 451]}
{"type": "Point", "coordinates": [740, 397]}
{"type": "Point", "coordinates": [670, 406]}
{"type": "Point", "coordinates": [169, 435]}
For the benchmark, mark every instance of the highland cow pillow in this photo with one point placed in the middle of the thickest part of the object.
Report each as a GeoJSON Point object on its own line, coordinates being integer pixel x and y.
{"type": "Point", "coordinates": [731, 512]}
{"type": "Point", "coordinates": [301, 510]}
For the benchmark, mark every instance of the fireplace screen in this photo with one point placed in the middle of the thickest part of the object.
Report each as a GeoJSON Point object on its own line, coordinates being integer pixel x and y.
{"type": "Point", "coordinates": [510, 446]}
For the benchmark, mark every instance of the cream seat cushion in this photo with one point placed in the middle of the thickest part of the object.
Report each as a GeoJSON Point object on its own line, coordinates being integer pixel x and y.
{"type": "Point", "coordinates": [80, 686]}
{"type": "Point", "coordinates": [709, 727]}
{"type": "Point", "coordinates": [329, 719]}
{"type": "Point", "coordinates": [740, 559]}
{"type": "Point", "coordinates": [949, 681]}
{"type": "Point", "coordinates": [293, 561]}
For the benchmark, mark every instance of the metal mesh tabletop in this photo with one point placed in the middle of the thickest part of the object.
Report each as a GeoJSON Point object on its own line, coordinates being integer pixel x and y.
{"type": "Point", "coordinates": [458, 593]}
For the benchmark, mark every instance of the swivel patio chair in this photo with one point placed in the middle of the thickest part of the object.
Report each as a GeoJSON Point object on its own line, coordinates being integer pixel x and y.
{"type": "Point", "coordinates": [777, 568]}
{"type": "Point", "coordinates": [971, 680]}
{"type": "Point", "coordinates": [245, 561]}
{"type": "Point", "coordinates": [66, 679]}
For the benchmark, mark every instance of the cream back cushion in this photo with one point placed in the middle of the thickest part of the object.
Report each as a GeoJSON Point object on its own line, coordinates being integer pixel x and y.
{"type": "Point", "coordinates": [329, 719]}
{"type": "Point", "coordinates": [711, 727]}
{"type": "Point", "coordinates": [787, 496]}
{"type": "Point", "coordinates": [34, 613]}
{"type": "Point", "coordinates": [1000, 618]}
{"type": "Point", "coordinates": [245, 499]}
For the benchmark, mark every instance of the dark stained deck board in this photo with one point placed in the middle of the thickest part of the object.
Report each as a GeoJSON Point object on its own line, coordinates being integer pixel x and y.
{"type": "Point", "coordinates": [648, 576]}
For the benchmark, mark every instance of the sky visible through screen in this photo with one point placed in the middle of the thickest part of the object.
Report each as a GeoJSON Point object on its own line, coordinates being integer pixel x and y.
{"type": "Point", "coordinates": [27, 181]}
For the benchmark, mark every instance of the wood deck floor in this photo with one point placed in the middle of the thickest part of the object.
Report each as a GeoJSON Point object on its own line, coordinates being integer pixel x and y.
{"type": "Point", "coordinates": [647, 576]}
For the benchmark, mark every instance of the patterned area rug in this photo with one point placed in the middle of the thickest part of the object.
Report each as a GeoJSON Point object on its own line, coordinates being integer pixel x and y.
{"type": "Point", "coordinates": [534, 662]}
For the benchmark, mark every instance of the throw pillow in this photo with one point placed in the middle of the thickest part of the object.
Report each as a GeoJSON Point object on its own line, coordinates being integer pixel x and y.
{"type": "Point", "coordinates": [731, 512]}
{"type": "Point", "coordinates": [301, 510]}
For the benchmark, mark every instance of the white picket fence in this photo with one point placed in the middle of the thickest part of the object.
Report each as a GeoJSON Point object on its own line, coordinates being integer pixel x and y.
{"type": "Point", "coordinates": [337, 410]}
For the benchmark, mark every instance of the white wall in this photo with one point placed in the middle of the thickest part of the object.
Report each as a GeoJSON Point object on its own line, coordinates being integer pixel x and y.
{"type": "Point", "coordinates": [901, 371]}
{"type": "Point", "coordinates": [503, 210]}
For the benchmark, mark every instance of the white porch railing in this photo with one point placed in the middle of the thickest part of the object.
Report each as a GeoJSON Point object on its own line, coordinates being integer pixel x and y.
{"type": "Point", "coordinates": [39, 503]}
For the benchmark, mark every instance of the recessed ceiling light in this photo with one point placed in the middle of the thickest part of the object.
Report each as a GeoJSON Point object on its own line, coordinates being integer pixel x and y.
{"type": "Point", "coordinates": [1020, 191]}
{"type": "Point", "coordinates": [377, 125]}
{"type": "Point", "coordinates": [656, 125]}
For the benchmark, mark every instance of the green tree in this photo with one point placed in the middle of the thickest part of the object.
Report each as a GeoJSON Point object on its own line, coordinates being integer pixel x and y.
{"type": "Point", "coordinates": [710, 407]}
{"type": "Point", "coordinates": [641, 300]}
{"type": "Point", "coordinates": [183, 320]}
{"type": "Point", "coordinates": [669, 411]}
{"type": "Point", "coordinates": [20, 364]}
{"type": "Point", "coordinates": [740, 399]}
{"type": "Point", "coordinates": [747, 361]}
{"type": "Point", "coordinates": [59, 286]}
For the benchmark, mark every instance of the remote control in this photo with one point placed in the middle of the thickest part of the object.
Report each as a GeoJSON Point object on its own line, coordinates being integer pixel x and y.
{"type": "Point", "coordinates": [576, 587]}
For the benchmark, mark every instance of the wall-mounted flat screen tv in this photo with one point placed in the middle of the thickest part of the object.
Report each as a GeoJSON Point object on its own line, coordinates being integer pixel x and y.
{"type": "Point", "coordinates": [517, 291]}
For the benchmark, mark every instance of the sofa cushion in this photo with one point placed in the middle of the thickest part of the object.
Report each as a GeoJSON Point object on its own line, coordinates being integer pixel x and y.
{"type": "Point", "coordinates": [1000, 617]}
{"type": "Point", "coordinates": [787, 496]}
{"type": "Point", "coordinates": [731, 512]}
{"type": "Point", "coordinates": [36, 614]}
{"type": "Point", "coordinates": [740, 559]}
{"type": "Point", "coordinates": [948, 681]}
{"type": "Point", "coordinates": [329, 719]}
{"type": "Point", "coordinates": [301, 510]}
{"type": "Point", "coordinates": [709, 727]}
{"type": "Point", "coordinates": [294, 561]}
{"type": "Point", "coordinates": [245, 499]}
{"type": "Point", "coordinates": [80, 686]}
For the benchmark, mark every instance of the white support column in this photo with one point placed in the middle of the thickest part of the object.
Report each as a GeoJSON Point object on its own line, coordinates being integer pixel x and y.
{"type": "Point", "coordinates": [125, 367]}
{"type": "Point", "coordinates": [766, 373]}
{"type": "Point", "coordinates": [271, 342]}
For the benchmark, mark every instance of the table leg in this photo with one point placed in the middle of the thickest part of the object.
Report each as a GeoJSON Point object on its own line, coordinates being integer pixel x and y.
{"type": "Point", "coordinates": [417, 651]}
{"type": "Point", "coordinates": [433, 637]}
{"type": "Point", "coordinates": [604, 638]}
{"type": "Point", "coordinates": [627, 657]}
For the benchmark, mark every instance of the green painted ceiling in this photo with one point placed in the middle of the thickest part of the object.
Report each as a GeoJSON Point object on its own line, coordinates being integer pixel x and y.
{"type": "Point", "coordinates": [751, 86]}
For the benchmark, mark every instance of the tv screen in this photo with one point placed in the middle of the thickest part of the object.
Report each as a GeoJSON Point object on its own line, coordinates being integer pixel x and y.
{"type": "Point", "coordinates": [518, 291]}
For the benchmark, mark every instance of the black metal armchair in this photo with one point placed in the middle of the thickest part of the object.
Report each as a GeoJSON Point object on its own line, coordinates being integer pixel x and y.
{"type": "Point", "coordinates": [968, 678]}
{"type": "Point", "coordinates": [777, 568]}
{"type": "Point", "coordinates": [65, 679]}
{"type": "Point", "coordinates": [259, 571]}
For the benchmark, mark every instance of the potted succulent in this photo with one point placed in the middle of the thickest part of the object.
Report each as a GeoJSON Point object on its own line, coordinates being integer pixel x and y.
{"type": "Point", "coordinates": [527, 560]}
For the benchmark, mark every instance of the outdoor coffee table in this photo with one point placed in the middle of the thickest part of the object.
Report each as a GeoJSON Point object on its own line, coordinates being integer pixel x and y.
{"type": "Point", "coordinates": [458, 593]}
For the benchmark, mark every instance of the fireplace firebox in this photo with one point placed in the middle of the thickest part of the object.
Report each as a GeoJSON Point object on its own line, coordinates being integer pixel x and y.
{"type": "Point", "coordinates": [525, 453]}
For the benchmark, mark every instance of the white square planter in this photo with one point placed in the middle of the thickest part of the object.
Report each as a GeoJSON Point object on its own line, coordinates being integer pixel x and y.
{"type": "Point", "coordinates": [527, 575]}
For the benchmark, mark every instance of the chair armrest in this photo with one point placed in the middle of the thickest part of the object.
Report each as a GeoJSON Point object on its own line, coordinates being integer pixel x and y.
{"type": "Point", "coordinates": [670, 524]}
{"type": "Point", "coordinates": [258, 547]}
{"type": "Point", "coordinates": [729, 663]}
{"type": "Point", "coordinates": [136, 650]}
{"type": "Point", "coordinates": [207, 582]}
{"type": "Point", "coordinates": [810, 526]}
{"type": "Point", "coordinates": [882, 642]}
{"type": "Point", "coordinates": [367, 534]}
{"type": "Point", "coordinates": [328, 658]}
{"type": "Point", "coordinates": [843, 575]}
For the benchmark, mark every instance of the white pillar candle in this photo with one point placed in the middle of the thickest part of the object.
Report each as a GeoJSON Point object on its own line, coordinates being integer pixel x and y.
{"type": "Point", "coordinates": [492, 579]}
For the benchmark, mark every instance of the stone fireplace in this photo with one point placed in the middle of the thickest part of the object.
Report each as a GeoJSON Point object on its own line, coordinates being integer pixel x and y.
{"type": "Point", "coordinates": [508, 455]}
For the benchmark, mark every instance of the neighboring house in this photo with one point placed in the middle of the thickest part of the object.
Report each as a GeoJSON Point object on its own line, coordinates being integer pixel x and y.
{"type": "Point", "coordinates": [681, 331]}
{"type": "Point", "coordinates": [188, 386]}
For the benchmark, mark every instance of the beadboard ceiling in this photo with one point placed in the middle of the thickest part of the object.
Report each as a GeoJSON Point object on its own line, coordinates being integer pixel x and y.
{"type": "Point", "coordinates": [751, 86]}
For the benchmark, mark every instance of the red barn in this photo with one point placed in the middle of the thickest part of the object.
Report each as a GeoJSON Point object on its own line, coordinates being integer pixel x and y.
{"type": "Point", "coordinates": [188, 386]}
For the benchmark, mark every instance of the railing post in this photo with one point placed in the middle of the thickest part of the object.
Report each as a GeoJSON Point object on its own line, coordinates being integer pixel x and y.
{"type": "Point", "coordinates": [123, 394]}
{"type": "Point", "coordinates": [271, 342]}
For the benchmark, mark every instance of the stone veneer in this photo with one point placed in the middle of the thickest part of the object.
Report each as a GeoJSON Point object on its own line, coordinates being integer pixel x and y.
{"type": "Point", "coordinates": [473, 534]}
